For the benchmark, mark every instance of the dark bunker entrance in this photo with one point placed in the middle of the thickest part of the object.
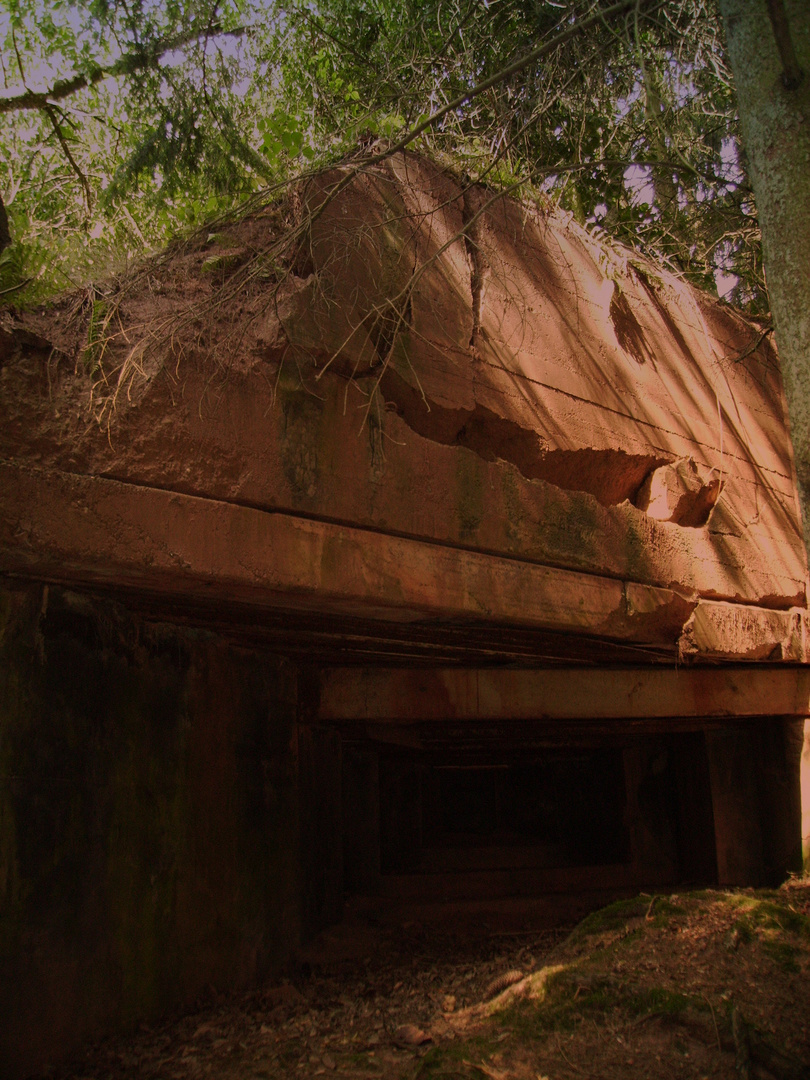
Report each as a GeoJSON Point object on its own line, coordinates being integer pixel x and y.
{"type": "Point", "coordinates": [425, 813]}
{"type": "Point", "coordinates": [202, 809]}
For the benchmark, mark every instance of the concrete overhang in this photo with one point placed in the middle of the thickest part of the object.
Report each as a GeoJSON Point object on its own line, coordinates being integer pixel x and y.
{"type": "Point", "coordinates": [103, 533]}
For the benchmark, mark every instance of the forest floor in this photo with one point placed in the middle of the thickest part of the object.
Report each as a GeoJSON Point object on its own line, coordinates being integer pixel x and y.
{"type": "Point", "coordinates": [701, 984]}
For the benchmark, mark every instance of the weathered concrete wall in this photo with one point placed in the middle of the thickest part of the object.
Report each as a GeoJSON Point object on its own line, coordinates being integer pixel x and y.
{"type": "Point", "coordinates": [148, 808]}
{"type": "Point", "coordinates": [170, 818]}
{"type": "Point", "coordinates": [95, 531]}
{"type": "Point", "coordinates": [583, 410]}
{"type": "Point", "coordinates": [646, 693]}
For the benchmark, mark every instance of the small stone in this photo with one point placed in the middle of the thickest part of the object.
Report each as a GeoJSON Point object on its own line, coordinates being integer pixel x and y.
{"type": "Point", "coordinates": [410, 1035]}
{"type": "Point", "coordinates": [732, 941]}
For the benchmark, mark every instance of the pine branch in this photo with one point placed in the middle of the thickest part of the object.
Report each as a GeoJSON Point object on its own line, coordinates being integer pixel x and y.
{"type": "Point", "coordinates": [597, 15]}
{"type": "Point", "coordinates": [33, 100]}
{"type": "Point", "coordinates": [512, 69]}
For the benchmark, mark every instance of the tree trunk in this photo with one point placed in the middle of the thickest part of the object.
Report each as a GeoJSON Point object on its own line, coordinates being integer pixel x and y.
{"type": "Point", "coordinates": [5, 231]}
{"type": "Point", "coordinates": [775, 117]}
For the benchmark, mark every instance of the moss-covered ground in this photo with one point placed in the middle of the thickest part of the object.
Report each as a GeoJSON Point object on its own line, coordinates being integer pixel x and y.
{"type": "Point", "coordinates": [702, 984]}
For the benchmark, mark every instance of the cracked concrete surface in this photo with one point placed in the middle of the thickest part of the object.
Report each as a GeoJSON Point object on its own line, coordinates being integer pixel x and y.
{"type": "Point", "coordinates": [467, 373]}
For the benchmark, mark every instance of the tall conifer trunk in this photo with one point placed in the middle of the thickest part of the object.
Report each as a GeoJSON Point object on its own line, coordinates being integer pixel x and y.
{"type": "Point", "coordinates": [775, 117]}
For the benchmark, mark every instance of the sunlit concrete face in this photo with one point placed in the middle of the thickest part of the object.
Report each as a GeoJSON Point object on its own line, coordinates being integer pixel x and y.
{"type": "Point", "coordinates": [441, 368]}
{"type": "Point", "coordinates": [574, 363]}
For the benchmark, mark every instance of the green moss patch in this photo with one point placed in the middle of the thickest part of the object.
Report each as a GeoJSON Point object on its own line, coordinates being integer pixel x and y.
{"type": "Point", "coordinates": [614, 917]}
{"type": "Point", "coordinates": [456, 1060]}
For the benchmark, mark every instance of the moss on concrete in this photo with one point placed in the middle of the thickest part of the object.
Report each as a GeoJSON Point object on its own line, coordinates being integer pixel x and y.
{"type": "Point", "coordinates": [469, 494]}
{"type": "Point", "coordinates": [301, 415]}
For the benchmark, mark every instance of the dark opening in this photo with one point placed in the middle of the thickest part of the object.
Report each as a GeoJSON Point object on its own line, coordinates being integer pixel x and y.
{"type": "Point", "coordinates": [501, 817]}
{"type": "Point", "coordinates": [559, 809]}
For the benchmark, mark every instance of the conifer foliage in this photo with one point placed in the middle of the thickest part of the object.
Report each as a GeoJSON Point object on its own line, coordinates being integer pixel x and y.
{"type": "Point", "coordinates": [125, 122]}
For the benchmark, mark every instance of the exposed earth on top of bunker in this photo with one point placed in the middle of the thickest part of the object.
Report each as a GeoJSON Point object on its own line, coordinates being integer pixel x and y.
{"type": "Point", "coordinates": [701, 984]}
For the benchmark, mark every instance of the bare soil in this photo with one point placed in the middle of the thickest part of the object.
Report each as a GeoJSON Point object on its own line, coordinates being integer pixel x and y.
{"type": "Point", "coordinates": [703, 984]}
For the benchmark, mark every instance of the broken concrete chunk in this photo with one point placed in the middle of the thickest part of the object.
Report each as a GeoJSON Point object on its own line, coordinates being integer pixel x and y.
{"type": "Point", "coordinates": [681, 492]}
{"type": "Point", "coordinates": [742, 632]}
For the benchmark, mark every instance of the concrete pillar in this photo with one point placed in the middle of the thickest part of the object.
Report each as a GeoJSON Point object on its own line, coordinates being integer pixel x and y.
{"type": "Point", "coordinates": [780, 742]}
{"type": "Point", "coordinates": [321, 826]}
{"type": "Point", "coordinates": [361, 819]}
{"type": "Point", "coordinates": [805, 787]}
{"type": "Point", "coordinates": [754, 769]}
{"type": "Point", "coordinates": [651, 811]}
{"type": "Point", "coordinates": [734, 800]}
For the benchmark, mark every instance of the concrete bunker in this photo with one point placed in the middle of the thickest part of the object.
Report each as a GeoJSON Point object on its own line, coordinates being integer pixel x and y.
{"type": "Point", "coordinates": [435, 568]}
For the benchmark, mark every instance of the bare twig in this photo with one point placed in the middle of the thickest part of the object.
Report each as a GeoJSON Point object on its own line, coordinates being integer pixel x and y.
{"type": "Point", "coordinates": [565, 1057]}
{"type": "Point", "coordinates": [5, 229]}
{"type": "Point", "coordinates": [714, 1021]}
{"type": "Point", "coordinates": [50, 112]}
{"type": "Point", "coordinates": [737, 358]}
{"type": "Point", "coordinates": [17, 287]}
